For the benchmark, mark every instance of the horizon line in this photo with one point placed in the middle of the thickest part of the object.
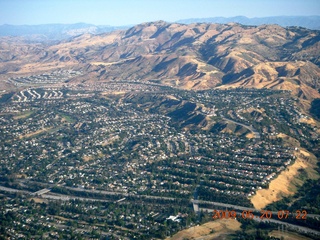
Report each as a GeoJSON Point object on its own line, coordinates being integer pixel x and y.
{"type": "Point", "coordinates": [132, 24]}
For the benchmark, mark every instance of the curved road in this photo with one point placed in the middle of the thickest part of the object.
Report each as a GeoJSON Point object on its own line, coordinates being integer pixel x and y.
{"type": "Point", "coordinates": [255, 132]}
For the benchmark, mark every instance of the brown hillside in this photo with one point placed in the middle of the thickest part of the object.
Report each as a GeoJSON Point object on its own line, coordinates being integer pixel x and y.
{"type": "Point", "coordinates": [195, 56]}
{"type": "Point", "coordinates": [302, 78]}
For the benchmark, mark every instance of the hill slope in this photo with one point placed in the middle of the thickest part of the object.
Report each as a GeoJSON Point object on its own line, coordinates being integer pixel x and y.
{"type": "Point", "coordinates": [195, 56]}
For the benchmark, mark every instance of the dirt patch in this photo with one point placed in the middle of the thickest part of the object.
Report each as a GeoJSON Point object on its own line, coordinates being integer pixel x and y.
{"type": "Point", "coordinates": [78, 125]}
{"type": "Point", "coordinates": [110, 140]}
{"type": "Point", "coordinates": [250, 135]}
{"type": "Point", "coordinates": [35, 133]}
{"type": "Point", "coordinates": [61, 218]}
{"type": "Point", "coordinates": [22, 116]}
{"type": "Point", "coordinates": [305, 153]}
{"type": "Point", "coordinates": [210, 230]}
{"type": "Point", "coordinates": [39, 200]}
{"type": "Point", "coordinates": [20, 176]}
{"type": "Point", "coordinates": [251, 109]}
{"type": "Point", "coordinates": [308, 121]}
{"type": "Point", "coordinates": [104, 94]}
{"type": "Point", "coordinates": [87, 158]}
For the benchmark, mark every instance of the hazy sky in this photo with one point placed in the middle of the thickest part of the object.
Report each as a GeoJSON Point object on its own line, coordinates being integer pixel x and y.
{"type": "Point", "coordinates": [125, 12]}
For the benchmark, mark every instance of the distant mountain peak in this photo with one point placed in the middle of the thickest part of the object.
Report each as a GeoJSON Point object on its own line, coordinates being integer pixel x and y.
{"type": "Point", "coordinates": [45, 32]}
{"type": "Point", "coordinates": [194, 56]}
{"type": "Point", "coordinates": [311, 22]}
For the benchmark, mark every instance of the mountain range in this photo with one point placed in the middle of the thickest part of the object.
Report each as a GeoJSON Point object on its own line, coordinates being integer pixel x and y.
{"type": "Point", "coordinates": [188, 56]}
{"type": "Point", "coordinates": [311, 22]}
{"type": "Point", "coordinates": [51, 32]}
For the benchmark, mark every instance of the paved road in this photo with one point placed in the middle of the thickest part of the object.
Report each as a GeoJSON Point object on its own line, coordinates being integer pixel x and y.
{"type": "Point", "coordinates": [119, 193]}
{"type": "Point", "coordinates": [229, 206]}
{"type": "Point", "coordinates": [42, 191]}
{"type": "Point", "coordinates": [12, 190]}
{"type": "Point", "coordinates": [50, 186]}
{"type": "Point", "coordinates": [67, 197]}
{"type": "Point", "coordinates": [255, 132]}
{"type": "Point", "coordinates": [225, 205]}
{"type": "Point", "coordinates": [288, 225]}
{"type": "Point", "coordinates": [236, 207]}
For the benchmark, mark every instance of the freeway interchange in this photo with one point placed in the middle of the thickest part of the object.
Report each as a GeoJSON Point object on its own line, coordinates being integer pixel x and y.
{"type": "Point", "coordinates": [46, 194]}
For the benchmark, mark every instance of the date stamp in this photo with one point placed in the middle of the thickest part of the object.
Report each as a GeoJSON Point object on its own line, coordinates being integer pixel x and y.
{"type": "Point", "coordinates": [264, 214]}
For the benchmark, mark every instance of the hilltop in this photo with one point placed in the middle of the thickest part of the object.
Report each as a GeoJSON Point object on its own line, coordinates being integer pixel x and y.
{"type": "Point", "coordinates": [194, 56]}
{"type": "Point", "coordinates": [45, 32]}
{"type": "Point", "coordinates": [311, 22]}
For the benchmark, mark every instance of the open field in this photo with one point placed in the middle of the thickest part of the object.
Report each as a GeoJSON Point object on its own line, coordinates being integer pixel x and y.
{"type": "Point", "coordinates": [22, 116]}
{"type": "Point", "coordinates": [211, 230]}
{"type": "Point", "coordinates": [35, 133]}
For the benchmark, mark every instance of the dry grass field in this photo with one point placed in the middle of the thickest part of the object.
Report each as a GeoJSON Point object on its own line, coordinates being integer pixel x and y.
{"type": "Point", "coordinates": [35, 133]}
{"type": "Point", "coordinates": [288, 180]}
{"type": "Point", "coordinates": [209, 231]}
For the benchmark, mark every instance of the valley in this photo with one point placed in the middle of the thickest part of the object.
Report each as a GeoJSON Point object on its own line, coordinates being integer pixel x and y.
{"type": "Point", "coordinates": [134, 140]}
{"type": "Point", "coordinates": [117, 135]}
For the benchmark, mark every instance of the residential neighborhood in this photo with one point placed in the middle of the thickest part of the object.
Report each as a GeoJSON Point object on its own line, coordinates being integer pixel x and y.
{"type": "Point", "coordinates": [113, 142]}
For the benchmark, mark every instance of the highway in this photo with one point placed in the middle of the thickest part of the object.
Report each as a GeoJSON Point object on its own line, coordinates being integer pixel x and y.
{"type": "Point", "coordinates": [224, 205]}
{"type": "Point", "coordinates": [68, 197]}
{"type": "Point", "coordinates": [12, 190]}
{"type": "Point", "coordinates": [236, 207]}
{"type": "Point", "coordinates": [119, 193]}
{"type": "Point", "coordinates": [288, 225]}
{"type": "Point", "coordinates": [62, 197]}
{"type": "Point", "coordinates": [49, 186]}
{"type": "Point", "coordinates": [42, 191]}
